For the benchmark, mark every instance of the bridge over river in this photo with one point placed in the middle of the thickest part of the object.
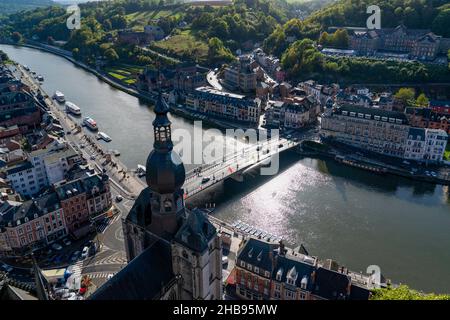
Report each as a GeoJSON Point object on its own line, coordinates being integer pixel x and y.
{"type": "Point", "coordinates": [235, 165]}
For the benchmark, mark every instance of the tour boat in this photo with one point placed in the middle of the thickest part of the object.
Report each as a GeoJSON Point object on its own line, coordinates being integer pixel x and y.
{"type": "Point", "coordinates": [73, 108]}
{"type": "Point", "coordinates": [90, 123]}
{"type": "Point", "coordinates": [104, 136]}
{"type": "Point", "coordinates": [59, 96]}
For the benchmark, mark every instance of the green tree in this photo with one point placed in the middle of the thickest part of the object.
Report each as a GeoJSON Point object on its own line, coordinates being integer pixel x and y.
{"type": "Point", "coordinates": [405, 95]}
{"type": "Point", "coordinates": [422, 100]}
{"type": "Point", "coordinates": [403, 292]}
{"type": "Point", "coordinates": [324, 38]}
{"type": "Point", "coordinates": [111, 55]}
{"type": "Point", "coordinates": [220, 29]}
{"type": "Point", "coordinates": [441, 24]}
{"type": "Point", "coordinates": [340, 38]}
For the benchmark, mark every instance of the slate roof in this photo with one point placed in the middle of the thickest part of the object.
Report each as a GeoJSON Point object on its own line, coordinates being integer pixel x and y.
{"type": "Point", "coordinates": [374, 112]}
{"type": "Point", "coordinates": [49, 201]}
{"type": "Point", "coordinates": [27, 210]}
{"type": "Point", "coordinates": [285, 265]}
{"type": "Point", "coordinates": [19, 167]}
{"type": "Point", "coordinates": [142, 279]}
{"type": "Point", "coordinates": [330, 285]}
{"type": "Point", "coordinates": [359, 293]}
{"type": "Point", "coordinates": [70, 189]}
{"type": "Point", "coordinates": [417, 132]}
{"type": "Point", "coordinates": [196, 231]}
{"type": "Point", "coordinates": [91, 182]}
{"type": "Point", "coordinates": [256, 252]}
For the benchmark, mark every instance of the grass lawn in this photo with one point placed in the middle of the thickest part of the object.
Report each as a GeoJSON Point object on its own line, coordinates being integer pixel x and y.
{"type": "Point", "coordinates": [124, 73]}
{"type": "Point", "coordinates": [116, 75]}
{"type": "Point", "coordinates": [184, 43]}
{"type": "Point", "coordinates": [140, 19]}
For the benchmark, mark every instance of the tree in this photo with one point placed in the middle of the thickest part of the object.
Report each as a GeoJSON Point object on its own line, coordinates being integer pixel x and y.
{"type": "Point", "coordinates": [340, 38]}
{"type": "Point", "coordinates": [111, 55]}
{"type": "Point", "coordinates": [220, 29]}
{"type": "Point", "coordinates": [16, 37]}
{"type": "Point", "coordinates": [324, 38]}
{"type": "Point", "coordinates": [405, 95]}
{"type": "Point", "coordinates": [441, 24]}
{"type": "Point", "coordinates": [403, 292]}
{"type": "Point", "coordinates": [422, 100]}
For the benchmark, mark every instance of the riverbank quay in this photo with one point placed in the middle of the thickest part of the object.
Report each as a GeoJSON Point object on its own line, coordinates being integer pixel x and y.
{"type": "Point", "coordinates": [353, 157]}
{"type": "Point", "coordinates": [120, 175]}
{"type": "Point", "coordinates": [146, 96]}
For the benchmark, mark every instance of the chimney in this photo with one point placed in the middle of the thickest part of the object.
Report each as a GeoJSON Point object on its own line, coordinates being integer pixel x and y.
{"type": "Point", "coordinates": [282, 249]}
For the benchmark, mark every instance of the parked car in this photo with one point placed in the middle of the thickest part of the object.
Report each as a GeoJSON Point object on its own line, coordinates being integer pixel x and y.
{"type": "Point", "coordinates": [205, 180]}
{"type": "Point", "coordinates": [84, 253]}
{"type": "Point", "coordinates": [57, 246]}
{"type": "Point", "coordinates": [119, 198]}
{"type": "Point", "coordinates": [92, 157]}
{"type": "Point", "coordinates": [224, 260]}
{"type": "Point", "coordinates": [67, 242]}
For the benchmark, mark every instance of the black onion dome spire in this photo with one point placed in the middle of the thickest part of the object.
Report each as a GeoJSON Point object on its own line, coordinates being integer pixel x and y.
{"type": "Point", "coordinates": [165, 170]}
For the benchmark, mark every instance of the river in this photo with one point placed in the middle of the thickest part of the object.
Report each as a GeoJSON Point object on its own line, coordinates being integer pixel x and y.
{"type": "Point", "coordinates": [355, 217]}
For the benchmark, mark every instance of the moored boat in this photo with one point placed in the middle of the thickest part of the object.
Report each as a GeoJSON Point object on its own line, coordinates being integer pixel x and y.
{"type": "Point", "coordinates": [59, 96]}
{"type": "Point", "coordinates": [73, 108]}
{"type": "Point", "coordinates": [104, 137]}
{"type": "Point", "coordinates": [90, 123]}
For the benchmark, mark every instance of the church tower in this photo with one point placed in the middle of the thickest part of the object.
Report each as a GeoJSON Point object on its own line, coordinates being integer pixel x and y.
{"type": "Point", "coordinates": [165, 176]}
{"type": "Point", "coordinates": [182, 246]}
{"type": "Point", "coordinates": [159, 210]}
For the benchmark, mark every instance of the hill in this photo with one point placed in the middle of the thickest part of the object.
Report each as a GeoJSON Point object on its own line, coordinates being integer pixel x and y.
{"type": "Point", "coordinates": [11, 6]}
{"type": "Point", "coordinates": [414, 14]}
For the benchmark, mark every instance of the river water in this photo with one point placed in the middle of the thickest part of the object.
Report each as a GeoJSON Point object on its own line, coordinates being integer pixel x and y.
{"type": "Point", "coordinates": [353, 216]}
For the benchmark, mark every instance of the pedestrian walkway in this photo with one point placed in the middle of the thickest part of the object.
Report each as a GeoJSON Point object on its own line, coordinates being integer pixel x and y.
{"type": "Point", "coordinates": [100, 275]}
{"type": "Point", "coordinates": [116, 258]}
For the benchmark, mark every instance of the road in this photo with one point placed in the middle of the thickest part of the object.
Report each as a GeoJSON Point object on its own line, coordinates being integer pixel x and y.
{"type": "Point", "coordinates": [231, 164]}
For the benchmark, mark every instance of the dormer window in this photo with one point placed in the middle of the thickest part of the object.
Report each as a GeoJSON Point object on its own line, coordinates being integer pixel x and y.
{"type": "Point", "coordinates": [278, 275]}
{"type": "Point", "coordinates": [259, 257]}
{"type": "Point", "coordinates": [304, 282]}
{"type": "Point", "coordinates": [250, 253]}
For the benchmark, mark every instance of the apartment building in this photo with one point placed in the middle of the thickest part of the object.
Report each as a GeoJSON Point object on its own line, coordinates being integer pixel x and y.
{"type": "Point", "coordinates": [33, 224]}
{"type": "Point", "coordinates": [379, 131]}
{"type": "Point", "coordinates": [385, 132]}
{"type": "Point", "coordinates": [43, 168]}
{"type": "Point", "coordinates": [229, 106]}
{"type": "Point", "coordinates": [73, 199]}
{"type": "Point", "coordinates": [269, 271]}
{"type": "Point", "coordinates": [419, 44]}
{"type": "Point", "coordinates": [240, 75]}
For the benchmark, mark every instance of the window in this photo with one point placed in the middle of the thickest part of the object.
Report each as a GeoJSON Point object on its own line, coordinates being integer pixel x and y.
{"type": "Point", "coordinates": [249, 266]}
{"type": "Point", "coordinates": [256, 270]}
{"type": "Point", "coordinates": [243, 264]}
